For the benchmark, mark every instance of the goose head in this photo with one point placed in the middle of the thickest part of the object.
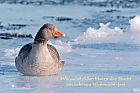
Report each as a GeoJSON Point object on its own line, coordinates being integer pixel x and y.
{"type": "Point", "coordinates": [46, 32]}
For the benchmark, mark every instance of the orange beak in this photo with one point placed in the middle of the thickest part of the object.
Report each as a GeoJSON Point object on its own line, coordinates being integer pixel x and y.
{"type": "Point", "coordinates": [58, 34]}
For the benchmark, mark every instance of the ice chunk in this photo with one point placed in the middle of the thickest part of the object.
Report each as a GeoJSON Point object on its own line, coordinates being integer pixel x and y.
{"type": "Point", "coordinates": [96, 34]}
{"type": "Point", "coordinates": [135, 24]}
{"type": "Point", "coordinates": [11, 52]}
{"type": "Point", "coordinates": [135, 28]}
{"type": "Point", "coordinates": [62, 47]}
{"type": "Point", "coordinates": [136, 90]}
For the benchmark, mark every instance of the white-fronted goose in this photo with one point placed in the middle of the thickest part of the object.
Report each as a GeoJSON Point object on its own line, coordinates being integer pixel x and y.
{"type": "Point", "coordinates": [39, 58]}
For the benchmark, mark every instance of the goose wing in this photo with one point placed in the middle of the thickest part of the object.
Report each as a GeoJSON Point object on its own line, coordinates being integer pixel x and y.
{"type": "Point", "coordinates": [25, 50]}
{"type": "Point", "coordinates": [53, 52]}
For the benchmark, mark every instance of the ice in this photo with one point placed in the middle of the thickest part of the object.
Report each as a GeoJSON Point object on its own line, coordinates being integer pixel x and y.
{"type": "Point", "coordinates": [82, 57]}
{"type": "Point", "coordinates": [135, 28]}
{"type": "Point", "coordinates": [63, 47]}
{"type": "Point", "coordinates": [136, 90]}
{"type": "Point", "coordinates": [100, 34]}
{"type": "Point", "coordinates": [11, 53]}
{"type": "Point", "coordinates": [91, 35]}
{"type": "Point", "coordinates": [105, 33]}
{"type": "Point", "coordinates": [135, 24]}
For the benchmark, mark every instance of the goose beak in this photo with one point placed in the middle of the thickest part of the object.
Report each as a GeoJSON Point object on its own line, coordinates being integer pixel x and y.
{"type": "Point", "coordinates": [58, 34]}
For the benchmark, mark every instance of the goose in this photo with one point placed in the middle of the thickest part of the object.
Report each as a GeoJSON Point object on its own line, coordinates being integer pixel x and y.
{"type": "Point", "coordinates": [39, 58]}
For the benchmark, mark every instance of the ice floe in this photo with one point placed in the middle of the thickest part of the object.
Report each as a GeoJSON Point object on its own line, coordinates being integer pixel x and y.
{"type": "Point", "coordinates": [136, 90]}
{"type": "Point", "coordinates": [103, 32]}
{"type": "Point", "coordinates": [135, 24]}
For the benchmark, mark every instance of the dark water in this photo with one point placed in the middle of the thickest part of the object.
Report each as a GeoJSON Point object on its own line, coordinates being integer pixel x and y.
{"type": "Point", "coordinates": [102, 3]}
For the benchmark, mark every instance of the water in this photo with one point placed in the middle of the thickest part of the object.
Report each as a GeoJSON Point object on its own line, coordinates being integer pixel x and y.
{"type": "Point", "coordinates": [102, 41]}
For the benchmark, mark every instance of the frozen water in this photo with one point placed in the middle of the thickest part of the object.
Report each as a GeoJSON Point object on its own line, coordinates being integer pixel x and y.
{"type": "Point", "coordinates": [102, 33]}
{"type": "Point", "coordinates": [136, 90]}
{"type": "Point", "coordinates": [92, 35]}
{"type": "Point", "coordinates": [134, 23]}
{"type": "Point", "coordinates": [97, 44]}
{"type": "Point", "coordinates": [135, 28]}
{"type": "Point", "coordinates": [11, 52]}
